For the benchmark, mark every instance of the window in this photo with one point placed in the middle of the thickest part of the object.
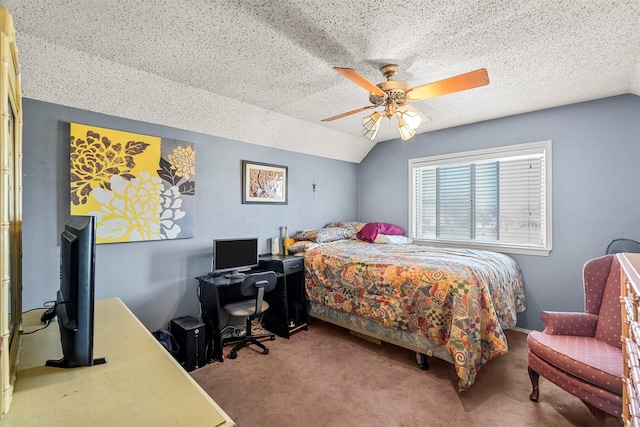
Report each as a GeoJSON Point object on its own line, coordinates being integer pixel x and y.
{"type": "Point", "coordinates": [496, 199]}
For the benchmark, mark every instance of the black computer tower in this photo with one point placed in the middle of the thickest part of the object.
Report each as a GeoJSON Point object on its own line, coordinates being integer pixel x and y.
{"type": "Point", "coordinates": [190, 338]}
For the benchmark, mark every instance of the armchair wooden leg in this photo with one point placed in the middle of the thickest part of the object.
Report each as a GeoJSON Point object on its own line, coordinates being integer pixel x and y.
{"type": "Point", "coordinates": [534, 377]}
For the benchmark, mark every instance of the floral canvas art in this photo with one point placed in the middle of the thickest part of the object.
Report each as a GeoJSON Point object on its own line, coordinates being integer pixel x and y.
{"type": "Point", "coordinates": [138, 187]}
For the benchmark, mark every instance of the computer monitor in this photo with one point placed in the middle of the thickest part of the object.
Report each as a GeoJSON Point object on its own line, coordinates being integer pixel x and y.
{"type": "Point", "coordinates": [75, 298]}
{"type": "Point", "coordinates": [235, 256]}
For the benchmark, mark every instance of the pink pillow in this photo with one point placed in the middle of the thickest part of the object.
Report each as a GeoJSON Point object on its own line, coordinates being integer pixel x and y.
{"type": "Point", "coordinates": [370, 231]}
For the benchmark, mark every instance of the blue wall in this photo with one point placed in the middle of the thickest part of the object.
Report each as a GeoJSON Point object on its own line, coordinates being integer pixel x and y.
{"type": "Point", "coordinates": [596, 198]}
{"type": "Point", "coordinates": [596, 187]}
{"type": "Point", "coordinates": [157, 279]}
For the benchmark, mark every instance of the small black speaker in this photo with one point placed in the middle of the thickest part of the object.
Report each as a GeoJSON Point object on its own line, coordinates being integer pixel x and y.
{"type": "Point", "coordinates": [189, 335]}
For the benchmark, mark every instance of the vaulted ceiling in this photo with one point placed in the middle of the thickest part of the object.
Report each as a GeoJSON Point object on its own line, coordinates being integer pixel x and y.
{"type": "Point", "coordinates": [261, 71]}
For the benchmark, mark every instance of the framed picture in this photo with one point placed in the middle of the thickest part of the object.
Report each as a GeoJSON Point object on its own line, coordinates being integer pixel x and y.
{"type": "Point", "coordinates": [264, 183]}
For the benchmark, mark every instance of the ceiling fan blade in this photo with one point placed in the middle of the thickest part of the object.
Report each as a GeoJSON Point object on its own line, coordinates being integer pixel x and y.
{"type": "Point", "coordinates": [348, 113]}
{"type": "Point", "coordinates": [454, 84]}
{"type": "Point", "coordinates": [360, 80]}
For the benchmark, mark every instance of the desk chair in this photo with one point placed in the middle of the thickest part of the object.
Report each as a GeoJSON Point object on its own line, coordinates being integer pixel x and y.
{"type": "Point", "coordinates": [253, 285]}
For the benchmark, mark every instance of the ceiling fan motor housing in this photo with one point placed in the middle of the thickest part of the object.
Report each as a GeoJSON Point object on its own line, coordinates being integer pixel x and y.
{"type": "Point", "coordinates": [394, 90]}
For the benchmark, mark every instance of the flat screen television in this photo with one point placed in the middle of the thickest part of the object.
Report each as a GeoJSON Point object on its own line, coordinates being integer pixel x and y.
{"type": "Point", "coordinates": [235, 256]}
{"type": "Point", "coordinates": [75, 298]}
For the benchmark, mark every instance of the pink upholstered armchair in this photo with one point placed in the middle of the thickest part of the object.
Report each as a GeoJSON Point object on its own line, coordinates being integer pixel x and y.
{"type": "Point", "coordinates": [581, 352]}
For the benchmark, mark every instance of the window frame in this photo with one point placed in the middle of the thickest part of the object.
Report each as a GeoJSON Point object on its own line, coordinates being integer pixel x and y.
{"type": "Point", "coordinates": [543, 147]}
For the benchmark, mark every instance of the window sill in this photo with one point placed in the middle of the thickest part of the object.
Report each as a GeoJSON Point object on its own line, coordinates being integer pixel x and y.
{"type": "Point", "coordinates": [507, 249]}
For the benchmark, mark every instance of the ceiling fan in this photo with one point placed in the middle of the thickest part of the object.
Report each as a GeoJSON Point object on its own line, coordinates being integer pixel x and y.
{"type": "Point", "coordinates": [396, 95]}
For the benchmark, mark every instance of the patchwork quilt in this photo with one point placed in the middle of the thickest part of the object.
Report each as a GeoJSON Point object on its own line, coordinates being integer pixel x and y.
{"type": "Point", "coordinates": [461, 299]}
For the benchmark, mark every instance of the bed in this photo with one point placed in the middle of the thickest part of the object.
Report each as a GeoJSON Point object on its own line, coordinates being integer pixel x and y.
{"type": "Point", "coordinates": [453, 304]}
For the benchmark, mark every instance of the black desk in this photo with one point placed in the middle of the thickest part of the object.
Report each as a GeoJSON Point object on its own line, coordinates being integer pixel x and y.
{"type": "Point", "coordinates": [214, 293]}
{"type": "Point", "coordinates": [217, 291]}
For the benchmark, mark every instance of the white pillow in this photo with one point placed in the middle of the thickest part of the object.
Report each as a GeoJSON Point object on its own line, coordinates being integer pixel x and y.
{"type": "Point", "coordinates": [388, 238]}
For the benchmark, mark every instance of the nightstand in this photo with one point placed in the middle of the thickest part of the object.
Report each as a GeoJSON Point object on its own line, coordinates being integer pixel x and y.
{"type": "Point", "coordinates": [287, 312]}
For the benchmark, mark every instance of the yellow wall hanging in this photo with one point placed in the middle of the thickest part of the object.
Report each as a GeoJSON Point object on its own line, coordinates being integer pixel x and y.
{"type": "Point", "coordinates": [138, 187]}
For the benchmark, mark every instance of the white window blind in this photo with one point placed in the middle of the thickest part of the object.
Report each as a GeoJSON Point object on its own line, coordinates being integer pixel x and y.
{"type": "Point", "coordinates": [498, 199]}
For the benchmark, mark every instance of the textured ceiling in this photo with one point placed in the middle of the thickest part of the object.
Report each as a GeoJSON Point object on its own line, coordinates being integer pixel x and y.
{"type": "Point", "coordinates": [270, 62]}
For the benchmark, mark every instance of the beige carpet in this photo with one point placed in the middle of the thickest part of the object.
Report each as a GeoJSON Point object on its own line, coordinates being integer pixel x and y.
{"type": "Point", "coordinates": [326, 376]}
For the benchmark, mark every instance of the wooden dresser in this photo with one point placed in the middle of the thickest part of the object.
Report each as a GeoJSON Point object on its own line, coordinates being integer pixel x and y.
{"type": "Point", "coordinates": [630, 290]}
{"type": "Point", "coordinates": [140, 385]}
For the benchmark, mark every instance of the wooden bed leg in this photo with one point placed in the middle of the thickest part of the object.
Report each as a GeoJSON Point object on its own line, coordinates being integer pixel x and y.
{"type": "Point", "coordinates": [534, 376]}
{"type": "Point", "coordinates": [423, 361]}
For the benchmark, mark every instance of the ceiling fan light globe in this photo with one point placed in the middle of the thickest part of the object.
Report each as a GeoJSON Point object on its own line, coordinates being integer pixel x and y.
{"type": "Point", "coordinates": [370, 134]}
{"type": "Point", "coordinates": [412, 119]}
{"type": "Point", "coordinates": [371, 124]}
{"type": "Point", "coordinates": [406, 132]}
